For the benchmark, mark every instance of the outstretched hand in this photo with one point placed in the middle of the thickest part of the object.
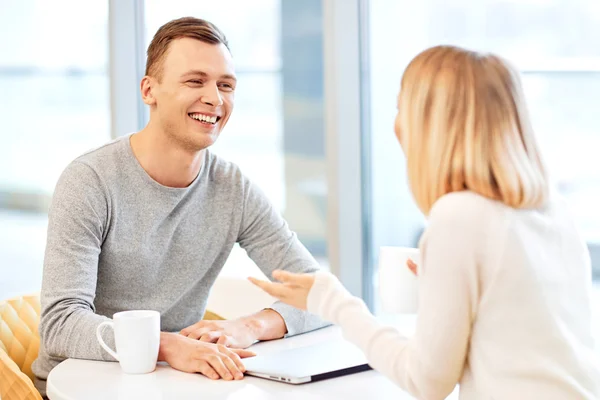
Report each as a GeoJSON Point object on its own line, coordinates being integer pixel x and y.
{"type": "Point", "coordinates": [412, 266]}
{"type": "Point", "coordinates": [292, 290]}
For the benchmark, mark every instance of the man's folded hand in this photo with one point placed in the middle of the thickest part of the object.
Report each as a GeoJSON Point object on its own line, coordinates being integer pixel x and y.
{"type": "Point", "coordinates": [211, 360]}
{"type": "Point", "coordinates": [238, 333]}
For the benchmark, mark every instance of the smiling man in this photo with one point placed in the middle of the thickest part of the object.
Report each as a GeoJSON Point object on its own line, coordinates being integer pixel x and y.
{"type": "Point", "coordinates": [148, 221]}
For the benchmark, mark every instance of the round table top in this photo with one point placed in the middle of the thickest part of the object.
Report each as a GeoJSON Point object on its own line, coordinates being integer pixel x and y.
{"type": "Point", "coordinates": [90, 380]}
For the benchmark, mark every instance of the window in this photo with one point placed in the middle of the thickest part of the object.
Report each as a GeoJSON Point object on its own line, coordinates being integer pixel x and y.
{"type": "Point", "coordinates": [54, 106]}
{"type": "Point", "coordinates": [556, 46]}
{"type": "Point", "coordinates": [55, 90]}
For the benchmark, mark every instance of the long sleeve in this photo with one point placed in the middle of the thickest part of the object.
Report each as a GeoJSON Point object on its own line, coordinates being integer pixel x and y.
{"type": "Point", "coordinates": [77, 218]}
{"type": "Point", "coordinates": [430, 364]}
{"type": "Point", "coordinates": [272, 245]}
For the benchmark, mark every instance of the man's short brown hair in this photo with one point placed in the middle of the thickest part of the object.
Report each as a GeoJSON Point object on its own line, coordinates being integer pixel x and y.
{"type": "Point", "coordinates": [187, 27]}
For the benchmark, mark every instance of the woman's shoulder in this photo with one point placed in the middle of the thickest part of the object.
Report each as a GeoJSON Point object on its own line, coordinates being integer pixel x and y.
{"type": "Point", "coordinates": [466, 219]}
{"type": "Point", "coordinates": [465, 206]}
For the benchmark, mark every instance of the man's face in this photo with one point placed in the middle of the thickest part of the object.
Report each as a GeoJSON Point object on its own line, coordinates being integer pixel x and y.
{"type": "Point", "coordinates": [194, 98]}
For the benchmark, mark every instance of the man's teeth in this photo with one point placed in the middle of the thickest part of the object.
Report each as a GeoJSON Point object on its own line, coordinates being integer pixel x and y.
{"type": "Point", "coordinates": [204, 118]}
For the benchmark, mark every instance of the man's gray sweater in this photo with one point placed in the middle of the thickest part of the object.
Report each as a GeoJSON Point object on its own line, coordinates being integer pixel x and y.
{"type": "Point", "coordinates": [118, 240]}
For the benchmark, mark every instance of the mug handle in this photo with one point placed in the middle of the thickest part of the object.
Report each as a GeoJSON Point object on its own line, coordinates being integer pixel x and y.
{"type": "Point", "coordinates": [99, 337]}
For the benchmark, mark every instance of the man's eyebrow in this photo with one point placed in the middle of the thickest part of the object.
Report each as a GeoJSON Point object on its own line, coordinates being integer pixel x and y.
{"type": "Point", "coordinates": [195, 72]}
{"type": "Point", "coordinates": [229, 76]}
{"type": "Point", "coordinates": [203, 74]}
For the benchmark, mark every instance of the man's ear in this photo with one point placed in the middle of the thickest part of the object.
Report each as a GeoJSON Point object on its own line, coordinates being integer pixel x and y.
{"type": "Point", "coordinates": [146, 87]}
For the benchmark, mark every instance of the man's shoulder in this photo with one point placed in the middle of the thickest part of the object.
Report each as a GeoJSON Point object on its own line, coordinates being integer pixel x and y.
{"type": "Point", "coordinates": [102, 156]}
{"type": "Point", "coordinates": [91, 168]}
{"type": "Point", "coordinates": [221, 170]}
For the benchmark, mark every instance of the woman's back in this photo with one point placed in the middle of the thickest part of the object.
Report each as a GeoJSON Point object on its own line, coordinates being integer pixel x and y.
{"type": "Point", "coordinates": [531, 334]}
{"type": "Point", "coordinates": [504, 284]}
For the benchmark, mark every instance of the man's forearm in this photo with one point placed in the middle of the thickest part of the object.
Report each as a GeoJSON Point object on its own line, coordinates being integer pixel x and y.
{"type": "Point", "coordinates": [267, 324]}
{"type": "Point", "coordinates": [69, 331]}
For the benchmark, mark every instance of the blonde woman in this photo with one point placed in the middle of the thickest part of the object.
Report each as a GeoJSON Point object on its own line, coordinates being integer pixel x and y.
{"type": "Point", "coordinates": [505, 282]}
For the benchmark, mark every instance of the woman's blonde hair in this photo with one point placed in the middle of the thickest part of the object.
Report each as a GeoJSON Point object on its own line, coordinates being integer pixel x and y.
{"type": "Point", "coordinates": [464, 126]}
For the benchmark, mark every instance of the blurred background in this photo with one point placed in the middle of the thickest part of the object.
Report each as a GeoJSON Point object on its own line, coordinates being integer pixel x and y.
{"type": "Point", "coordinates": [314, 110]}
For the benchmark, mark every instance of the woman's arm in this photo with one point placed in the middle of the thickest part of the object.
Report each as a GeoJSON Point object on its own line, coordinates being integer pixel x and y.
{"type": "Point", "coordinates": [430, 364]}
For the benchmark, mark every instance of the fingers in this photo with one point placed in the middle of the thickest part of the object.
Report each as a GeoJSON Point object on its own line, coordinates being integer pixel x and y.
{"type": "Point", "coordinates": [285, 276]}
{"type": "Point", "coordinates": [412, 266]}
{"type": "Point", "coordinates": [232, 366]}
{"type": "Point", "coordinates": [209, 337]}
{"type": "Point", "coordinates": [257, 282]}
{"type": "Point", "coordinates": [192, 328]}
{"type": "Point", "coordinates": [205, 369]}
{"type": "Point", "coordinates": [225, 340]}
{"type": "Point", "coordinates": [196, 331]}
{"type": "Point", "coordinates": [233, 356]}
{"type": "Point", "coordinates": [216, 361]}
{"type": "Point", "coordinates": [197, 334]}
{"type": "Point", "coordinates": [292, 279]}
{"type": "Point", "coordinates": [243, 353]}
{"type": "Point", "coordinates": [274, 289]}
{"type": "Point", "coordinates": [212, 361]}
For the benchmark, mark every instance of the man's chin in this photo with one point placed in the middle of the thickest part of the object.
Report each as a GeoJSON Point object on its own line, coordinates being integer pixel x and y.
{"type": "Point", "coordinates": [198, 142]}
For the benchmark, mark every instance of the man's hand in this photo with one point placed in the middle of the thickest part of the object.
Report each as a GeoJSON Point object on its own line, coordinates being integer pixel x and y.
{"type": "Point", "coordinates": [238, 333]}
{"type": "Point", "coordinates": [211, 360]}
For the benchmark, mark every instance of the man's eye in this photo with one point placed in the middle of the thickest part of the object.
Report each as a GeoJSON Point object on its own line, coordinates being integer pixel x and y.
{"type": "Point", "coordinates": [195, 81]}
{"type": "Point", "coordinates": [226, 86]}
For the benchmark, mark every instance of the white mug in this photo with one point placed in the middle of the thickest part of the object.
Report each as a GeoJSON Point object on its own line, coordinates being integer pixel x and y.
{"type": "Point", "coordinates": [137, 338]}
{"type": "Point", "coordinates": [398, 285]}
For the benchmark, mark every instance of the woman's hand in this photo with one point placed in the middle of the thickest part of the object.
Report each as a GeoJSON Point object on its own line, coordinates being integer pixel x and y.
{"type": "Point", "coordinates": [412, 266]}
{"type": "Point", "coordinates": [292, 290]}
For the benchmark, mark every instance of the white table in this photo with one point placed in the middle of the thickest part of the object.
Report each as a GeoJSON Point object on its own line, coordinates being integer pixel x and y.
{"type": "Point", "coordinates": [91, 380]}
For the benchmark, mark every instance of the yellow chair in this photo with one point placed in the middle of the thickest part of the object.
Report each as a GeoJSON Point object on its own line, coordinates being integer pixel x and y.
{"type": "Point", "coordinates": [209, 315]}
{"type": "Point", "coordinates": [19, 346]}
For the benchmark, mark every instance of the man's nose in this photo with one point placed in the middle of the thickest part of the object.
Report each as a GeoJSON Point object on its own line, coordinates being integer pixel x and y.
{"type": "Point", "coordinates": [212, 96]}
